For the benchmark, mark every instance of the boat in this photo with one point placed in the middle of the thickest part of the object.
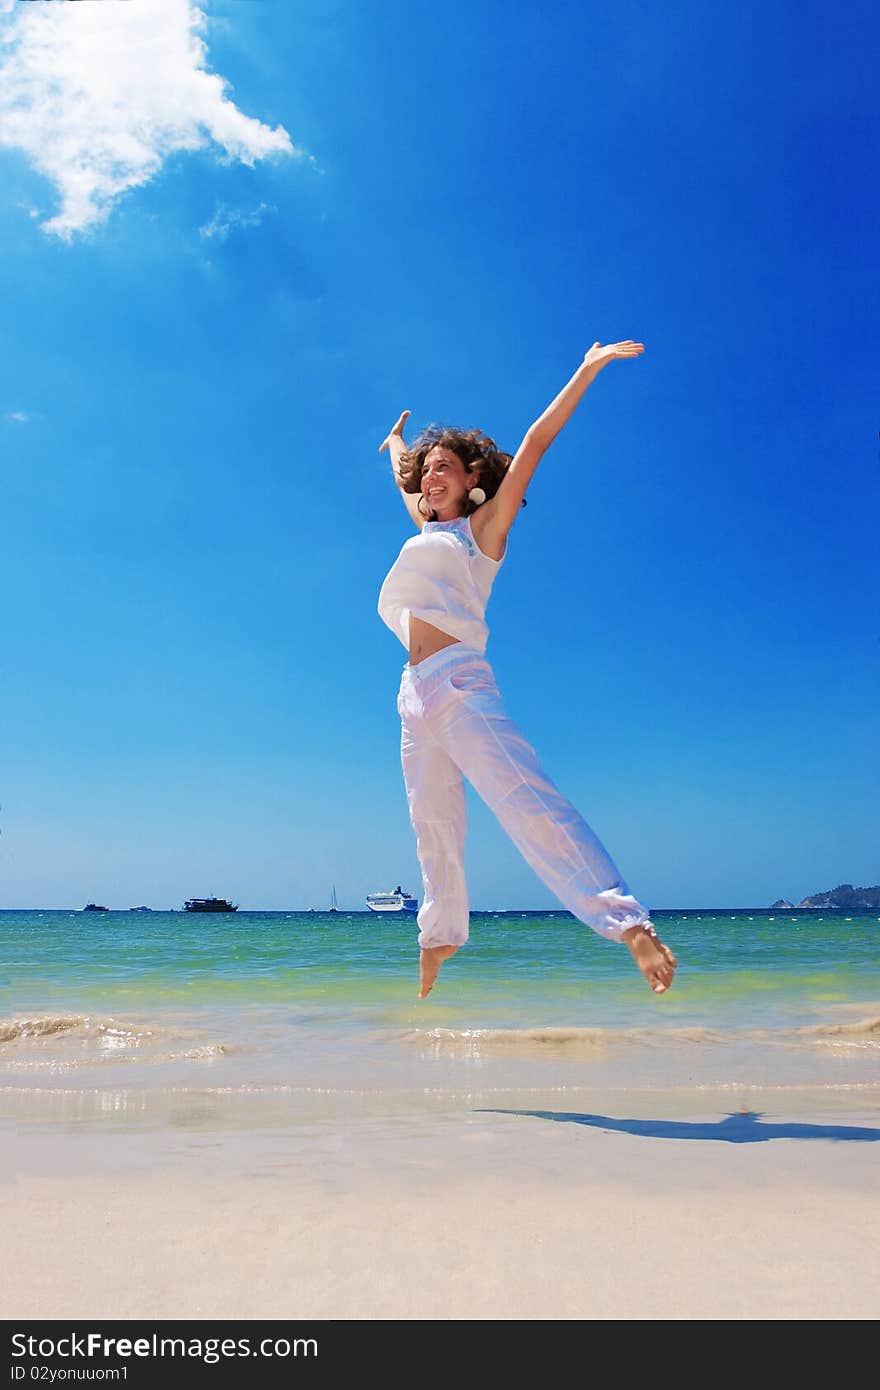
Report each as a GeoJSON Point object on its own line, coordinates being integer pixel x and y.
{"type": "Point", "coordinates": [95, 907]}
{"type": "Point", "coordinates": [398, 900]}
{"type": "Point", "coordinates": [209, 905]}
{"type": "Point", "coordinates": [333, 906]}
{"type": "Point", "coordinates": [140, 909]}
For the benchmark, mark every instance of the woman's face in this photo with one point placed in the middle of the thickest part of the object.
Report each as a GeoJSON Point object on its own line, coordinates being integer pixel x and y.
{"type": "Point", "coordinates": [446, 482]}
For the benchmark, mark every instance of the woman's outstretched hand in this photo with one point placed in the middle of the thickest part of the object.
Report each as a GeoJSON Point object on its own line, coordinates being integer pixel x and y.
{"type": "Point", "coordinates": [599, 356]}
{"type": "Point", "coordinates": [396, 433]}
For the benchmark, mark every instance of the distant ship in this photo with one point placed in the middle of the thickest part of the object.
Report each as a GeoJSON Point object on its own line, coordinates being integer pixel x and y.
{"type": "Point", "coordinates": [140, 909]}
{"type": "Point", "coordinates": [95, 907]}
{"type": "Point", "coordinates": [209, 905]}
{"type": "Point", "coordinates": [333, 904]}
{"type": "Point", "coordinates": [399, 901]}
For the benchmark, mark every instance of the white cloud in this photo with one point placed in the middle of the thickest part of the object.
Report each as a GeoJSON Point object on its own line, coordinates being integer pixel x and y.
{"type": "Point", "coordinates": [99, 96]}
{"type": "Point", "coordinates": [226, 220]}
{"type": "Point", "coordinates": [17, 417]}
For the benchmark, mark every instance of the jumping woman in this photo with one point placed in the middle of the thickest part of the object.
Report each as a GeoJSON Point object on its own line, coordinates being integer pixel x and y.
{"type": "Point", "coordinates": [463, 496]}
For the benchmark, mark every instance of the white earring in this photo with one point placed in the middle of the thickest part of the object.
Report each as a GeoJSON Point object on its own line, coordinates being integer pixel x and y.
{"type": "Point", "coordinates": [477, 496]}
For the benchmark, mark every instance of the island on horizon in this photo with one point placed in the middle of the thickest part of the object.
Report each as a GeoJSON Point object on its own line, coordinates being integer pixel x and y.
{"type": "Point", "coordinates": [844, 896]}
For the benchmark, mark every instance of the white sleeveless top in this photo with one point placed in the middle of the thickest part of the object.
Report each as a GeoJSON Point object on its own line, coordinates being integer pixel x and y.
{"type": "Point", "coordinates": [441, 576]}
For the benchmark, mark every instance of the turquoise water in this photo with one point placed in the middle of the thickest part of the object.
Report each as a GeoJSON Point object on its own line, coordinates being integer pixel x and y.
{"type": "Point", "coordinates": [308, 1003]}
{"type": "Point", "coordinates": [523, 968]}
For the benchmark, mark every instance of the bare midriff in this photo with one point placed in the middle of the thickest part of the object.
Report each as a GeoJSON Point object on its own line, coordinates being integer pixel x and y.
{"type": "Point", "coordinates": [425, 640]}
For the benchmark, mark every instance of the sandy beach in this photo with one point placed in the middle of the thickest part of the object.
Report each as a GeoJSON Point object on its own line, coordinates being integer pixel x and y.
{"type": "Point", "coordinates": [255, 1120]}
{"type": "Point", "coordinates": [467, 1214]}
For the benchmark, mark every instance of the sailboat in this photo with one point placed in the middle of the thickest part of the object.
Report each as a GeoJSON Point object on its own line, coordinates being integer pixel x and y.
{"type": "Point", "coordinates": [333, 907]}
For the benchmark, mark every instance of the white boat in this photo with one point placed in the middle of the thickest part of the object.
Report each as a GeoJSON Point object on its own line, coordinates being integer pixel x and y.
{"type": "Point", "coordinates": [397, 901]}
{"type": "Point", "coordinates": [333, 904]}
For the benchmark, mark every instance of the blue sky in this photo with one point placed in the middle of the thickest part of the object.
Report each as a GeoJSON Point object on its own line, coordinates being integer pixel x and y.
{"type": "Point", "coordinates": [438, 209]}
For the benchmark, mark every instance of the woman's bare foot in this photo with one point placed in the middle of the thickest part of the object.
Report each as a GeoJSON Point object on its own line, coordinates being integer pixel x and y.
{"type": "Point", "coordinates": [656, 961]}
{"type": "Point", "coordinates": [430, 961]}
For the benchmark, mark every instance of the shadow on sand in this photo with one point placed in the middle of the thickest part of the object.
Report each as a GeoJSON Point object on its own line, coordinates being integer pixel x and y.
{"type": "Point", "coordinates": [745, 1127]}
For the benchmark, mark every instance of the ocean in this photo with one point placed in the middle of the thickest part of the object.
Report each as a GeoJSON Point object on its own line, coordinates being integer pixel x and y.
{"type": "Point", "coordinates": [287, 1018]}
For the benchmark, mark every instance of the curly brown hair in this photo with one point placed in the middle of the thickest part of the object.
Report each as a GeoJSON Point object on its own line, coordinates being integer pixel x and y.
{"type": "Point", "coordinates": [475, 449]}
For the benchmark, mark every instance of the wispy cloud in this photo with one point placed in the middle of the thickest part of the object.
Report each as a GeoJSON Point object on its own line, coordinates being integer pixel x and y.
{"type": "Point", "coordinates": [226, 220]}
{"type": "Point", "coordinates": [99, 96]}
{"type": "Point", "coordinates": [16, 417]}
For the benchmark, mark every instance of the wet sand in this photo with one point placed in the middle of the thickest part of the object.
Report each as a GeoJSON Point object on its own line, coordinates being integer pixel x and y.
{"type": "Point", "coordinates": [530, 1210]}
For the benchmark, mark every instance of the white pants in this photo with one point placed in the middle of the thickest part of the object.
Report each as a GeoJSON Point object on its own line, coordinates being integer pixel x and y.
{"type": "Point", "coordinates": [453, 722]}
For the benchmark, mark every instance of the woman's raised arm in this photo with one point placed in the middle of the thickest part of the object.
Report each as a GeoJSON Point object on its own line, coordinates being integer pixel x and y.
{"type": "Point", "coordinates": [505, 505]}
{"type": "Point", "coordinates": [395, 443]}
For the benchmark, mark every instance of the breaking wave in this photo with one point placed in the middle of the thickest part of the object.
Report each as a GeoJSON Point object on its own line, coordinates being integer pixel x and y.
{"type": "Point", "coordinates": [592, 1041]}
{"type": "Point", "coordinates": [62, 1042]}
{"type": "Point", "coordinates": [12, 1028]}
{"type": "Point", "coordinates": [859, 1028]}
{"type": "Point", "coordinates": [554, 1039]}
